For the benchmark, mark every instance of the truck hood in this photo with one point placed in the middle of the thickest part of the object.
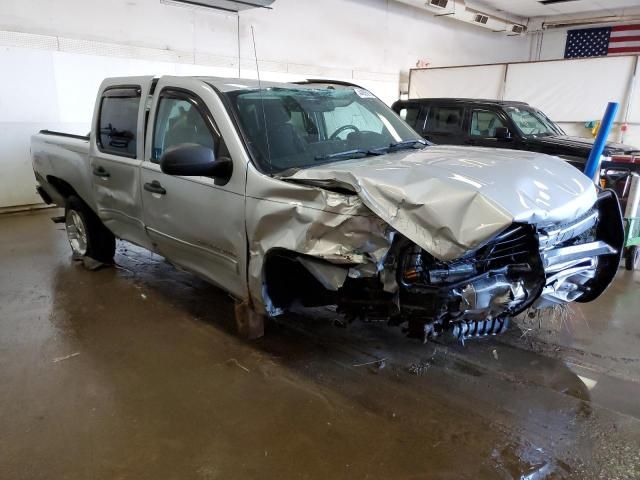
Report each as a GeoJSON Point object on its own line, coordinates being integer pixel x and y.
{"type": "Point", "coordinates": [581, 146]}
{"type": "Point", "coordinates": [449, 200]}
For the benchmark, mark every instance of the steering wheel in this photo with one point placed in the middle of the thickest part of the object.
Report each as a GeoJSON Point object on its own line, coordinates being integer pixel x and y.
{"type": "Point", "coordinates": [343, 128]}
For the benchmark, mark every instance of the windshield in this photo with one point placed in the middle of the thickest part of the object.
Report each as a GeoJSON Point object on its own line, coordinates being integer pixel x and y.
{"type": "Point", "coordinates": [306, 127]}
{"type": "Point", "coordinates": [533, 123]}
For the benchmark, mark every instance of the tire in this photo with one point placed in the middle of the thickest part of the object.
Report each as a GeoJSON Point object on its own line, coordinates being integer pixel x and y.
{"type": "Point", "coordinates": [632, 258]}
{"type": "Point", "coordinates": [88, 237]}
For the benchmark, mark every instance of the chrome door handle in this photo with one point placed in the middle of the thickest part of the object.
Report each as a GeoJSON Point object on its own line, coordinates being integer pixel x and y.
{"type": "Point", "coordinates": [155, 187]}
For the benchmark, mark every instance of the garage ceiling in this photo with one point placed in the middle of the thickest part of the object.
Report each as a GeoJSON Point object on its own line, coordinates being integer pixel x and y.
{"type": "Point", "coordinates": [545, 8]}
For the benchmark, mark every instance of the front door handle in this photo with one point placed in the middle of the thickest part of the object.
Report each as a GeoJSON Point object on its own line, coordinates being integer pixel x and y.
{"type": "Point", "coordinates": [101, 172]}
{"type": "Point", "coordinates": [155, 187]}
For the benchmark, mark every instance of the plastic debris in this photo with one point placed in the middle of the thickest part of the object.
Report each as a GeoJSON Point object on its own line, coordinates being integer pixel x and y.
{"type": "Point", "coordinates": [66, 357]}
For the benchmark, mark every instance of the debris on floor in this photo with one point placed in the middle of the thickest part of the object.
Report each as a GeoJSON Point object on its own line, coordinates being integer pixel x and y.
{"type": "Point", "coordinates": [420, 368]}
{"type": "Point", "coordinates": [93, 264]}
{"type": "Point", "coordinates": [380, 364]}
{"type": "Point", "coordinates": [66, 357]}
{"type": "Point", "coordinates": [233, 361]}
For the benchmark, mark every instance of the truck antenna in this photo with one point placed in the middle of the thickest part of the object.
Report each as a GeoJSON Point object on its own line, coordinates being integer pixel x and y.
{"type": "Point", "coordinates": [264, 114]}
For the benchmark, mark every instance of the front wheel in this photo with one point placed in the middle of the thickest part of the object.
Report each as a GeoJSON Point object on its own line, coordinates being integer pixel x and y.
{"type": "Point", "coordinates": [87, 235]}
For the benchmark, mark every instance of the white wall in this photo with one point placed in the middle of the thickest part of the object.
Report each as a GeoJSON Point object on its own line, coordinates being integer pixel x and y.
{"type": "Point", "coordinates": [551, 46]}
{"type": "Point", "coordinates": [54, 54]}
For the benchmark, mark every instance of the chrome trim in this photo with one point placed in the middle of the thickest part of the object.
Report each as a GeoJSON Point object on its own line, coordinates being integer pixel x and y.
{"type": "Point", "coordinates": [562, 233]}
{"type": "Point", "coordinates": [575, 252]}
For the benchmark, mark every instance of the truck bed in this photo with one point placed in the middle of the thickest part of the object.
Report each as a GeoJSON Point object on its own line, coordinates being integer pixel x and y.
{"type": "Point", "coordinates": [61, 157]}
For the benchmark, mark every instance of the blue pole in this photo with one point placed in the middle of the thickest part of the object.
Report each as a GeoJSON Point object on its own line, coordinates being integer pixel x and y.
{"type": "Point", "coordinates": [595, 157]}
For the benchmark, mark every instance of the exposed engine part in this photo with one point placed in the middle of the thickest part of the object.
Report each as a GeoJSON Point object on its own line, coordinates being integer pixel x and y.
{"type": "Point", "coordinates": [479, 328]}
{"type": "Point", "coordinates": [490, 297]}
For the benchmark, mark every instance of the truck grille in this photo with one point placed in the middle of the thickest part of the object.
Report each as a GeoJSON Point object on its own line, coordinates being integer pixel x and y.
{"type": "Point", "coordinates": [513, 246]}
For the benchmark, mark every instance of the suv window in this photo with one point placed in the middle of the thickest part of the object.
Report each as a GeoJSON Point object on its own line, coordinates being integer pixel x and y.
{"type": "Point", "coordinates": [178, 120]}
{"type": "Point", "coordinates": [444, 119]}
{"type": "Point", "coordinates": [118, 122]}
{"type": "Point", "coordinates": [484, 123]}
{"type": "Point", "coordinates": [410, 114]}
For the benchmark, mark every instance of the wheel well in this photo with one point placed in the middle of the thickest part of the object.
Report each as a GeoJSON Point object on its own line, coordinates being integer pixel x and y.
{"type": "Point", "coordinates": [63, 188]}
{"type": "Point", "coordinates": [288, 281]}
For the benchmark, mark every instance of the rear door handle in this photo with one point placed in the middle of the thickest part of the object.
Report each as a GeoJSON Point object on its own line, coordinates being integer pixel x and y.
{"type": "Point", "coordinates": [101, 172]}
{"type": "Point", "coordinates": [155, 187]}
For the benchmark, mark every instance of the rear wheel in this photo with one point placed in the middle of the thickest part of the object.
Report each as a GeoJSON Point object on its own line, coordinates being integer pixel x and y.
{"type": "Point", "coordinates": [87, 235]}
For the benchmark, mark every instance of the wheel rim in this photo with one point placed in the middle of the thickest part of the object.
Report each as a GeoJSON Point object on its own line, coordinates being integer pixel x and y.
{"type": "Point", "coordinates": [76, 232]}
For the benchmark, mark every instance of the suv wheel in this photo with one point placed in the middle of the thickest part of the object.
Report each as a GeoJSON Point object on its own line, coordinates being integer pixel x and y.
{"type": "Point", "coordinates": [87, 235]}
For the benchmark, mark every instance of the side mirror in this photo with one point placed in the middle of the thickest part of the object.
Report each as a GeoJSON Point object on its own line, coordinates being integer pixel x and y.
{"type": "Point", "coordinates": [502, 133]}
{"type": "Point", "coordinates": [192, 160]}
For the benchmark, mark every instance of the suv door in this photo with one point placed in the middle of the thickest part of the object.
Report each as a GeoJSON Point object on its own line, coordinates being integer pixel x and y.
{"type": "Point", "coordinates": [443, 123]}
{"type": "Point", "coordinates": [482, 126]}
{"type": "Point", "coordinates": [116, 151]}
{"type": "Point", "coordinates": [194, 222]}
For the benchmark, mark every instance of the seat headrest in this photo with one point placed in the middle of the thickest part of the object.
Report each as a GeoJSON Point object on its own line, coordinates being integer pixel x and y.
{"type": "Point", "coordinates": [275, 112]}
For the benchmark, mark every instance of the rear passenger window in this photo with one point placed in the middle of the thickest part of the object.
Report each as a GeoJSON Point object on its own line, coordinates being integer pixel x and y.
{"type": "Point", "coordinates": [484, 123]}
{"type": "Point", "coordinates": [444, 120]}
{"type": "Point", "coordinates": [410, 115]}
{"type": "Point", "coordinates": [118, 122]}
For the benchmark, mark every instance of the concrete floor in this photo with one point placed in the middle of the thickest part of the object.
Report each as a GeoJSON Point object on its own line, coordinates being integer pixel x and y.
{"type": "Point", "coordinates": [134, 373]}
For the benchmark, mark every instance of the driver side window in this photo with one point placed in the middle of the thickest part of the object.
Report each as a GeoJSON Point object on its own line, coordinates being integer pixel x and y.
{"type": "Point", "coordinates": [484, 123]}
{"type": "Point", "coordinates": [179, 121]}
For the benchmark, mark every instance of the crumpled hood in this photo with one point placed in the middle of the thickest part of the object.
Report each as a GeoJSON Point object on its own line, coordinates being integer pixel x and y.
{"type": "Point", "coordinates": [449, 200]}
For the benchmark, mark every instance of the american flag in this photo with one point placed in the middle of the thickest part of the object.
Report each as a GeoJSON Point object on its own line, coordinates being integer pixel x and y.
{"type": "Point", "coordinates": [599, 42]}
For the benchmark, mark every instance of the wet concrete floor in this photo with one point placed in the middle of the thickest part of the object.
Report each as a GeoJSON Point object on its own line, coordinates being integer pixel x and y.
{"type": "Point", "coordinates": [134, 373]}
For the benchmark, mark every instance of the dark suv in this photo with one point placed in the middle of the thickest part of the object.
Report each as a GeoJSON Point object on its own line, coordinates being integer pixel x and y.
{"type": "Point", "coordinates": [498, 124]}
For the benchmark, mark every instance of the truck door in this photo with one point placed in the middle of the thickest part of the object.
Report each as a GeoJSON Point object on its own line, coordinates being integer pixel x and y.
{"type": "Point", "coordinates": [444, 124]}
{"type": "Point", "coordinates": [192, 221]}
{"type": "Point", "coordinates": [116, 151]}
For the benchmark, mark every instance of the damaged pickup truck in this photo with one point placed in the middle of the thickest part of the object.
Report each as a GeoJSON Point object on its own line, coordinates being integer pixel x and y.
{"type": "Point", "coordinates": [301, 194]}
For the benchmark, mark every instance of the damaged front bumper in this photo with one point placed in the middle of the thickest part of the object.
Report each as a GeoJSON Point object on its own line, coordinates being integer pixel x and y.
{"type": "Point", "coordinates": [581, 258]}
{"type": "Point", "coordinates": [412, 240]}
{"type": "Point", "coordinates": [475, 295]}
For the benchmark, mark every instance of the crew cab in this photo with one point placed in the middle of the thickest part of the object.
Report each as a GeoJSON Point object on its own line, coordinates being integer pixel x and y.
{"type": "Point", "coordinates": [305, 194]}
{"type": "Point", "coordinates": [500, 124]}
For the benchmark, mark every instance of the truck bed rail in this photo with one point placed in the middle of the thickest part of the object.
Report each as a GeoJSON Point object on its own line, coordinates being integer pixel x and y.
{"type": "Point", "coordinates": [63, 134]}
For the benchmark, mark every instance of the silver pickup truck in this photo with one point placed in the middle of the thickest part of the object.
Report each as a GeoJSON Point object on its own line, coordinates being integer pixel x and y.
{"type": "Point", "coordinates": [310, 194]}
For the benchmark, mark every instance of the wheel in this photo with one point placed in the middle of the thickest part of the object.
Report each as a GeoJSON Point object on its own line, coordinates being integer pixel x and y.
{"type": "Point", "coordinates": [87, 235]}
{"type": "Point", "coordinates": [632, 258]}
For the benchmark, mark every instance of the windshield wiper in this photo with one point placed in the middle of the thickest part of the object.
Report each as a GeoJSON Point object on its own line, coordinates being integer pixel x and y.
{"type": "Point", "coordinates": [358, 152]}
{"type": "Point", "coordinates": [404, 145]}
{"type": "Point", "coordinates": [361, 152]}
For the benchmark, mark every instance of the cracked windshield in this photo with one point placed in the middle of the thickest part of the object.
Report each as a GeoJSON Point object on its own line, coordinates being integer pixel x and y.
{"type": "Point", "coordinates": [306, 127]}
